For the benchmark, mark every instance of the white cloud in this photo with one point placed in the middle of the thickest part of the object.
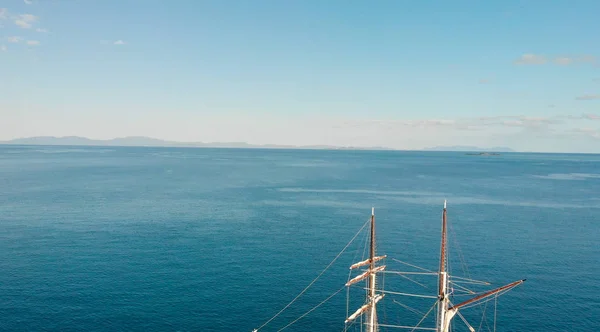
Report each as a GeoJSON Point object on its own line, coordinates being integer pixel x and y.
{"type": "Point", "coordinates": [588, 132]}
{"type": "Point", "coordinates": [25, 21]}
{"type": "Point", "coordinates": [2, 48]}
{"type": "Point", "coordinates": [535, 59]}
{"type": "Point", "coordinates": [591, 116]}
{"type": "Point", "coordinates": [23, 24]}
{"type": "Point", "coordinates": [513, 121]}
{"type": "Point", "coordinates": [584, 59]}
{"type": "Point", "coordinates": [28, 17]}
{"type": "Point", "coordinates": [531, 59]}
{"type": "Point", "coordinates": [41, 30]}
{"type": "Point", "coordinates": [588, 59]}
{"type": "Point", "coordinates": [33, 42]}
{"type": "Point", "coordinates": [14, 39]}
{"type": "Point", "coordinates": [3, 13]}
{"type": "Point", "coordinates": [461, 124]}
{"type": "Point", "coordinates": [115, 42]}
{"type": "Point", "coordinates": [28, 2]}
{"type": "Point", "coordinates": [589, 97]}
{"type": "Point", "coordinates": [563, 61]}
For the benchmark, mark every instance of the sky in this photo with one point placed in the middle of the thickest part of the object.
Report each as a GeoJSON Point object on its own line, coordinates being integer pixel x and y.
{"type": "Point", "coordinates": [392, 73]}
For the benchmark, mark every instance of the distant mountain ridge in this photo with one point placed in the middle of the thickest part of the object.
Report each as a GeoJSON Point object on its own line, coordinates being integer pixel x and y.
{"type": "Point", "coordinates": [154, 142]}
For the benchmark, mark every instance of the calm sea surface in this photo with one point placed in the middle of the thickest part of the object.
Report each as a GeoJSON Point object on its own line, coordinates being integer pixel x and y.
{"type": "Point", "coordinates": [167, 239]}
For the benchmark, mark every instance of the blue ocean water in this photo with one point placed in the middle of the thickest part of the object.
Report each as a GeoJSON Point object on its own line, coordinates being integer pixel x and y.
{"type": "Point", "coordinates": [175, 239]}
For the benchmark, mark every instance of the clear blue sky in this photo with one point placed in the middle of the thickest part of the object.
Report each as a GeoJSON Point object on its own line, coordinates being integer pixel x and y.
{"type": "Point", "coordinates": [403, 74]}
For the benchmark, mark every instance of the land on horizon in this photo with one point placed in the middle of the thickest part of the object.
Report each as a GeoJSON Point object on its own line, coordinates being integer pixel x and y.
{"type": "Point", "coordinates": [154, 142]}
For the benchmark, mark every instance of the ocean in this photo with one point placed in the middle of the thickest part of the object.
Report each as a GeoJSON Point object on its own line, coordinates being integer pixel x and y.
{"type": "Point", "coordinates": [183, 239]}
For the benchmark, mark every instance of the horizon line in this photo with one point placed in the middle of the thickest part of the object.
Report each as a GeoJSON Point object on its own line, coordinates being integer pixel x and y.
{"type": "Point", "coordinates": [246, 145]}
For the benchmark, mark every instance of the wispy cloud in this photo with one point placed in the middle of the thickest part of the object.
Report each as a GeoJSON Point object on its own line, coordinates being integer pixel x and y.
{"type": "Point", "coordinates": [530, 59]}
{"type": "Point", "coordinates": [28, 2]}
{"type": "Point", "coordinates": [588, 132]}
{"type": "Point", "coordinates": [479, 123]}
{"type": "Point", "coordinates": [3, 16]}
{"type": "Point", "coordinates": [25, 21]}
{"type": "Point", "coordinates": [588, 59]}
{"type": "Point", "coordinates": [41, 30]}
{"type": "Point", "coordinates": [33, 42]}
{"type": "Point", "coordinates": [584, 59]}
{"type": "Point", "coordinates": [13, 39]}
{"type": "Point", "coordinates": [589, 97]}
{"type": "Point", "coordinates": [484, 81]}
{"type": "Point", "coordinates": [119, 42]}
{"type": "Point", "coordinates": [23, 24]}
{"type": "Point", "coordinates": [537, 59]}
{"type": "Point", "coordinates": [495, 121]}
{"type": "Point", "coordinates": [564, 61]}
{"type": "Point", "coordinates": [591, 116]}
{"type": "Point", "coordinates": [2, 48]}
{"type": "Point", "coordinates": [513, 121]}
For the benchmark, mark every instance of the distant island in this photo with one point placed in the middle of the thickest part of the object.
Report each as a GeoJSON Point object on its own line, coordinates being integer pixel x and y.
{"type": "Point", "coordinates": [463, 148]}
{"type": "Point", "coordinates": [482, 154]}
{"type": "Point", "coordinates": [142, 141]}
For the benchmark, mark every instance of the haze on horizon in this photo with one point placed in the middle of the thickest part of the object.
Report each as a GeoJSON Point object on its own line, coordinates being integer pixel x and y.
{"type": "Point", "coordinates": [397, 74]}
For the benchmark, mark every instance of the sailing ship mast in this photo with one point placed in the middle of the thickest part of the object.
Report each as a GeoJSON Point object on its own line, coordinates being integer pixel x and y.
{"type": "Point", "coordinates": [443, 279]}
{"type": "Point", "coordinates": [369, 307]}
{"type": "Point", "coordinates": [445, 311]}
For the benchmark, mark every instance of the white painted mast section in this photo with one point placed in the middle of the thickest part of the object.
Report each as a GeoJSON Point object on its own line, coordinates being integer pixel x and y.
{"type": "Point", "coordinates": [443, 317]}
{"type": "Point", "coordinates": [372, 310]}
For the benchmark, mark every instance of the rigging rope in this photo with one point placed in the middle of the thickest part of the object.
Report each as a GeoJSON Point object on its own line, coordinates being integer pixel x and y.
{"type": "Point", "coordinates": [495, 308]}
{"type": "Point", "coordinates": [409, 279]}
{"type": "Point", "coordinates": [415, 266]}
{"type": "Point", "coordinates": [422, 319]}
{"type": "Point", "coordinates": [350, 276]}
{"type": "Point", "coordinates": [465, 269]}
{"type": "Point", "coordinates": [320, 274]}
{"type": "Point", "coordinates": [464, 320]}
{"type": "Point", "coordinates": [483, 318]}
{"type": "Point", "coordinates": [311, 310]}
{"type": "Point", "coordinates": [408, 307]}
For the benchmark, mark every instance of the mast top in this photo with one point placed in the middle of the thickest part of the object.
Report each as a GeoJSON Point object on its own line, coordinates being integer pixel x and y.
{"type": "Point", "coordinates": [372, 211]}
{"type": "Point", "coordinates": [444, 204]}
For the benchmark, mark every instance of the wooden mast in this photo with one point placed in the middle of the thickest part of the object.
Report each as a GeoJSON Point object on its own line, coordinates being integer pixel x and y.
{"type": "Point", "coordinates": [487, 294]}
{"type": "Point", "coordinates": [370, 275]}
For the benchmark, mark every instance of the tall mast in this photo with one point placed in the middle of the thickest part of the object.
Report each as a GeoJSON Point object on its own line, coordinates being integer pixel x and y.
{"type": "Point", "coordinates": [442, 307]}
{"type": "Point", "coordinates": [372, 313]}
{"type": "Point", "coordinates": [445, 312]}
{"type": "Point", "coordinates": [370, 275]}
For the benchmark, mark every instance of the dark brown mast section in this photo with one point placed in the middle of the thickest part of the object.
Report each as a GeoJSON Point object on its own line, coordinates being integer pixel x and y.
{"type": "Point", "coordinates": [442, 254]}
{"type": "Point", "coordinates": [489, 293]}
{"type": "Point", "coordinates": [372, 252]}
